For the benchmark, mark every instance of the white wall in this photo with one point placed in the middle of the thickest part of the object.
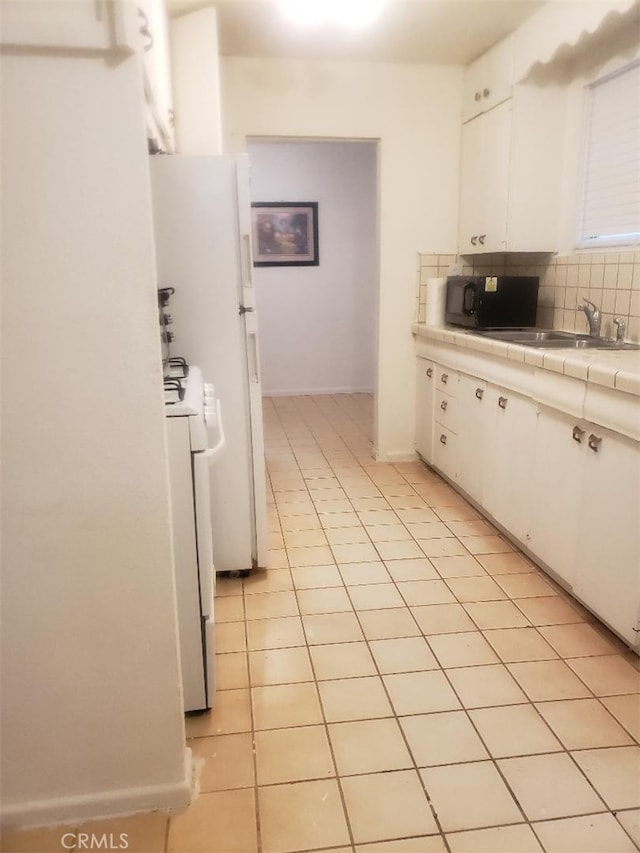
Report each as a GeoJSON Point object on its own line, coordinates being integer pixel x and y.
{"type": "Point", "coordinates": [415, 113]}
{"type": "Point", "coordinates": [195, 75]}
{"type": "Point", "coordinates": [91, 700]}
{"type": "Point", "coordinates": [318, 324]}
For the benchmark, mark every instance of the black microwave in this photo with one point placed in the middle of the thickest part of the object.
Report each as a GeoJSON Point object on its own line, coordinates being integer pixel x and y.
{"type": "Point", "coordinates": [491, 301]}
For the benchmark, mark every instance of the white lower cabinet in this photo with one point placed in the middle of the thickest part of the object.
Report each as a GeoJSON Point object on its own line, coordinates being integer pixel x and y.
{"type": "Point", "coordinates": [445, 449]}
{"type": "Point", "coordinates": [586, 515]}
{"type": "Point", "coordinates": [607, 575]}
{"type": "Point", "coordinates": [425, 382]}
{"type": "Point", "coordinates": [555, 492]}
{"type": "Point", "coordinates": [507, 458]}
{"type": "Point", "coordinates": [567, 489]}
{"type": "Point", "coordinates": [472, 413]}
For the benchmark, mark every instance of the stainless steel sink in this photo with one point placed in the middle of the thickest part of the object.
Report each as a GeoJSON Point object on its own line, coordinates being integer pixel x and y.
{"type": "Point", "coordinates": [553, 339]}
{"type": "Point", "coordinates": [529, 335]}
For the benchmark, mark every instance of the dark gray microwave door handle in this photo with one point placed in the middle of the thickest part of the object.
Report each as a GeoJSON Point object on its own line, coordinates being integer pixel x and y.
{"type": "Point", "coordinates": [469, 300]}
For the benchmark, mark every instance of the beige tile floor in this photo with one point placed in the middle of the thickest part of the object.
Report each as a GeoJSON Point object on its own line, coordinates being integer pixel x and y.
{"type": "Point", "coordinates": [401, 680]}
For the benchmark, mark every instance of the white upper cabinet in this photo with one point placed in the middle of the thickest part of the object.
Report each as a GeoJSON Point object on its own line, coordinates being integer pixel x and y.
{"type": "Point", "coordinates": [488, 81]}
{"type": "Point", "coordinates": [102, 26]}
{"type": "Point", "coordinates": [510, 174]}
{"type": "Point", "coordinates": [484, 186]}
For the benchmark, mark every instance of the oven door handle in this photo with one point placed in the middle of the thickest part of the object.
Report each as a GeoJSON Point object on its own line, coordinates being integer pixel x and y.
{"type": "Point", "coordinates": [212, 453]}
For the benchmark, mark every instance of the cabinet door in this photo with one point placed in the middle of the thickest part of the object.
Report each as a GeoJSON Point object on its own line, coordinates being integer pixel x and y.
{"type": "Point", "coordinates": [101, 27]}
{"type": "Point", "coordinates": [488, 80]}
{"type": "Point", "coordinates": [425, 380]}
{"type": "Point", "coordinates": [509, 440]}
{"type": "Point", "coordinates": [484, 181]}
{"type": "Point", "coordinates": [472, 413]}
{"type": "Point", "coordinates": [496, 164]}
{"type": "Point", "coordinates": [608, 549]}
{"type": "Point", "coordinates": [471, 186]}
{"type": "Point", "coordinates": [555, 490]}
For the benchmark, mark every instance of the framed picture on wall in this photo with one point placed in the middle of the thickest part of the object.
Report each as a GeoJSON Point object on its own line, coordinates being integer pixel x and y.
{"type": "Point", "coordinates": [285, 234]}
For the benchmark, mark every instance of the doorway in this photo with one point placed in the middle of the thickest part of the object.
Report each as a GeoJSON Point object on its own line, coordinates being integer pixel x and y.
{"type": "Point", "coordinates": [318, 324]}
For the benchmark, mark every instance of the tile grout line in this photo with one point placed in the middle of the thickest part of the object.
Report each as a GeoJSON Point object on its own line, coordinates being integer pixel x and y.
{"type": "Point", "coordinates": [324, 721]}
{"type": "Point", "coordinates": [425, 637]}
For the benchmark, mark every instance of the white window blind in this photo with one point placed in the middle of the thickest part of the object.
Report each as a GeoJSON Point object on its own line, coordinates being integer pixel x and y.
{"type": "Point", "coordinates": [610, 210]}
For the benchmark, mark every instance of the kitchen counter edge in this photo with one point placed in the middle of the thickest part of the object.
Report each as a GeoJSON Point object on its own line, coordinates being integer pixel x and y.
{"type": "Point", "coordinates": [617, 370]}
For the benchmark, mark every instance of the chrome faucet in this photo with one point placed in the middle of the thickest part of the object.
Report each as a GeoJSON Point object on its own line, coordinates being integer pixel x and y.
{"type": "Point", "coordinates": [620, 325]}
{"type": "Point", "coordinates": [594, 317]}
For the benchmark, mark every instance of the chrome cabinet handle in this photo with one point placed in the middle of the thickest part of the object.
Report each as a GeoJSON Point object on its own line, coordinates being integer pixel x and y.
{"type": "Point", "coordinates": [577, 434]}
{"type": "Point", "coordinates": [479, 393]}
{"type": "Point", "coordinates": [594, 442]}
{"type": "Point", "coordinates": [429, 372]}
{"type": "Point", "coordinates": [486, 93]}
{"type": "Point", "coordinates": [477, 96]}
{"type": "Point", "coordinates": [474, 240]}
{"type": "Point", "coordinates": [443, 405]}
{"type": "Point", "coordinates": [444, 378]}
{"type": "Point", "coordinates": [502, 402]}
{"type": "Point", "coordinates": [443, 439]}
{"type": "Point", "coordinates": [482, 238]}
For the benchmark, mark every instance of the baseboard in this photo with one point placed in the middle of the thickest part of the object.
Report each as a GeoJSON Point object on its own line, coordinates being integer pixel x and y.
{"type": "Point", "coordinates": [78, 809]}
{"type": "Point", "coordinates": [313, 392]}
{"type": "Point", "coordinates": [396, 456]}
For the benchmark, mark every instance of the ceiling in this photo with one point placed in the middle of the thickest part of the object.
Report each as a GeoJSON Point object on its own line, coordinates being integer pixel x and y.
{"type": "Point", "coordinates": [451, 32]}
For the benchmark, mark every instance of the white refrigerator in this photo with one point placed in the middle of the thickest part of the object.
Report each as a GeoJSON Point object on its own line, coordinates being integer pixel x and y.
{"type": "Point", "coordinates": [202, 226]}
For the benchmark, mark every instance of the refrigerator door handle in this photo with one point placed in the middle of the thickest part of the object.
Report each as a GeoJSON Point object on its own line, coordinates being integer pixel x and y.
{"type": "Point", "coordinates": [255, 373]}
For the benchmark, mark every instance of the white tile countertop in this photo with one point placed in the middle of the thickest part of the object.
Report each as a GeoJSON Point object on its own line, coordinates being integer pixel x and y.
{"type": "Point", "coordinates": [618, 369]}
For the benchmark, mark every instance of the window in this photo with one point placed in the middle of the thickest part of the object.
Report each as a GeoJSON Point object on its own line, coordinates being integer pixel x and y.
{"type": "Point", "coordinates": [610, 204]}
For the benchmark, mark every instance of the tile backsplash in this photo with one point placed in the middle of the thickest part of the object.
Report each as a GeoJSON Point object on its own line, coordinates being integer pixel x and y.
{"type": "Point", "coordinates": [609, 279]}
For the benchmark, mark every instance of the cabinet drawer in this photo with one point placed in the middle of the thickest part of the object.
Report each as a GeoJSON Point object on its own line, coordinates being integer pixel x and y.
{"type": "Point", "coordinates": [445, 449]}
{"type": "Point", "coordinates": [445, 411]}
{"type": "Point", "coordinates": [446, 380]}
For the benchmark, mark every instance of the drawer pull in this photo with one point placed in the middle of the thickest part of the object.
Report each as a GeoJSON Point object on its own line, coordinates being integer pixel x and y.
{"type": "Point", "coordinates": [577, 434]}
{"type": "Point", "coordinates": [482, 238]}
{"type": "Point", "coordinates": [474, 240]}
{"type": "Point", "coordinates": [502, 402]}
{"type": "Point", "coordinates": [486, 93]}
{"type": "Point", "coordinates": [429, 372]}
{"type": "Point", "coordinates": [594, 442]}
{"type": "Point", "coordinates": [443, 439]}
{"type": "Point", "coordinates": [443, 405]}
{"type": "Point", "coordinates": [444, 378]}
{"type": "Point", "coordinates": [477, 96]}
{"type": "Point", "coordinates": [479, 393]}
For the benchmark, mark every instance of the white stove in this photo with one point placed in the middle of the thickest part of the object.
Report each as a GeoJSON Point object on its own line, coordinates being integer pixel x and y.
{"type": "Point", "coordinates": [195, 440]}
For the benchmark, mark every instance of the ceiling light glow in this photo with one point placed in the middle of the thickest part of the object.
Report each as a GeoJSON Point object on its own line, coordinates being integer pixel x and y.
{"type": "Point", "coordinates": [347, 13]}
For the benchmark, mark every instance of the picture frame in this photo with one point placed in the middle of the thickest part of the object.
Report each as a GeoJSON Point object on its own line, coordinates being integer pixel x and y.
{"type": "Point", "coordinates": [285, 234]}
